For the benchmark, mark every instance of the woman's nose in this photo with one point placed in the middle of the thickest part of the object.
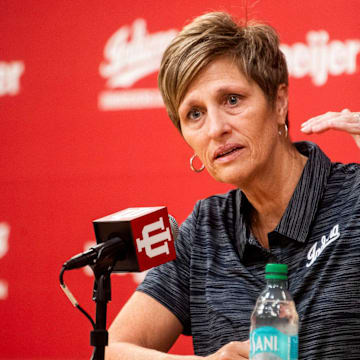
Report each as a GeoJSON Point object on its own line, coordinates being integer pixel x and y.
{"type": "Point", "coordinates": [218, 123]}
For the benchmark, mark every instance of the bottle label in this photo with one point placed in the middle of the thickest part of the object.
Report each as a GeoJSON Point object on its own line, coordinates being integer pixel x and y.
{"type": "Point", "coordinates": [272, 342]}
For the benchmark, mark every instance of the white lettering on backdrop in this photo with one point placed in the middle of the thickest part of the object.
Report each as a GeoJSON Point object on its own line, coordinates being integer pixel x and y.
{"type": "Point", "coordinates": [132, 53]}
{"type": "Point", "coordinates": [319, 57]}
{"type": "Point", "coordinates": [4, 247]}
{"type": "Point", "coordinates": [10, 73]}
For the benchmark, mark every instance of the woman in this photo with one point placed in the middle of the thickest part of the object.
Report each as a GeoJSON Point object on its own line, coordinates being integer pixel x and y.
{"type": "Point", "coordinates": [225, 88]}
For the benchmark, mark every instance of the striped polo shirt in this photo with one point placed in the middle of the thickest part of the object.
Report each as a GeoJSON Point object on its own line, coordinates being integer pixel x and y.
{"type": "Point", "coordinates": [218, 274]}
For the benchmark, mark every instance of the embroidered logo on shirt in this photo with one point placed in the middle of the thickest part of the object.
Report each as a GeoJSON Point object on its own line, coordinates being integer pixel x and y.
{"type": "Point", "coordinates": [316, 250]}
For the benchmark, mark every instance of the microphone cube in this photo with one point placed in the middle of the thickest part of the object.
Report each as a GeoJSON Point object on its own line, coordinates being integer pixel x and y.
{"type": "Point", "coordinates": [146, 232]}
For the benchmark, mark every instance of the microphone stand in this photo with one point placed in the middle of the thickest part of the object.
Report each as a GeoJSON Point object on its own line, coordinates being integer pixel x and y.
{"type": "Point", "coordinates": [101, 295]}
{"type": "Point", "coordinates": [102, 292]}
{"type": "Point", "coordinates": [103, 258]}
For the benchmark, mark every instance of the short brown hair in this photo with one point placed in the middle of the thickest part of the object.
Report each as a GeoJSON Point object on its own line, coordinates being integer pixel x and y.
{"type": "Point", "coordinates": [253, 46]}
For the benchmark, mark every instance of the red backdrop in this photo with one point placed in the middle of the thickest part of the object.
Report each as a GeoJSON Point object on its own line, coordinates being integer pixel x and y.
{"type": "Point", "coordinates": [83, 135]}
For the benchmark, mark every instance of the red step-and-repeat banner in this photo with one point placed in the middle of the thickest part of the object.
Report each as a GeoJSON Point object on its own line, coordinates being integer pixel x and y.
{"type": "Point", "coordinates": [84, 134]}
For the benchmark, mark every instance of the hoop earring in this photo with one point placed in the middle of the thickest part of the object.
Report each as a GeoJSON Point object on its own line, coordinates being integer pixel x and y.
{"type": "Point", "coordinates": [194, 168]}
{"type": "Point", "coordinates": [286, 131]}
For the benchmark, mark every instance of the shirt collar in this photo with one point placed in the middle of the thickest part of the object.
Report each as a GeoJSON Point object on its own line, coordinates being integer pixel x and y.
{"type": "Point", "coordinates": [302, 208]}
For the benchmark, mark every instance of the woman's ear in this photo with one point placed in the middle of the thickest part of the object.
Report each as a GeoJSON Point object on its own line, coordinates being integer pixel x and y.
{"type": "Point", "coordinates": [282, 103]}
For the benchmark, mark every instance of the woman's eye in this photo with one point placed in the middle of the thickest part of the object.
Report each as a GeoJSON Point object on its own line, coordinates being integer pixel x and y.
{"type": "Point", "coordinates": [194, 114]}
{"type": "Point", "coordinates": [233, 99]}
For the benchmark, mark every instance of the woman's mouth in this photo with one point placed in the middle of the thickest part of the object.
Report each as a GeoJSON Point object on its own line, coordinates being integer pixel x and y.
{"type": "Point", "coordinates": [227, 152]}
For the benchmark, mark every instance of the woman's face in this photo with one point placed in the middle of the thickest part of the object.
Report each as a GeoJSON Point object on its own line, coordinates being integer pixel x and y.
{"type": "Point", "coordinates": [230, 125]}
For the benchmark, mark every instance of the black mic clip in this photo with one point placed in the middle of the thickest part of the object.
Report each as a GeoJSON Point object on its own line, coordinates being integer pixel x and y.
{"type": "Point", "coordinates": [101, 256]}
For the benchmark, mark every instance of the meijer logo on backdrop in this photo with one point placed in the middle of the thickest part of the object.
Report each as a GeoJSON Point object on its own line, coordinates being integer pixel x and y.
{"type": "Point", "coordinates": [132, 53]}
{"type": "Point", "coordinates": [320, 57]}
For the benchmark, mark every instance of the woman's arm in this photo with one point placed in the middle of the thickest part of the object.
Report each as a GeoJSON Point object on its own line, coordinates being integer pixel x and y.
{"type": "Point", "coordinates": [344, 121]}
{"type": "Point", "coordinates": [145, 330]}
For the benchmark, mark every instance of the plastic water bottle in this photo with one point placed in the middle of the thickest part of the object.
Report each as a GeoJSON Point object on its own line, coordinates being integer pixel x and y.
{"type": "Point", "coordinates": [274, 321]}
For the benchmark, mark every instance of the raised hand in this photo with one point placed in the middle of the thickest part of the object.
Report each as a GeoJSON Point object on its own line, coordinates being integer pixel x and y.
{"type": "Point", "coordinates": [343, 121]}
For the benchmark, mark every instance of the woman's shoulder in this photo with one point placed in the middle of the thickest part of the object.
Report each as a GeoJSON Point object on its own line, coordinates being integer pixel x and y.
{"type": "Point", "coordinates": [350, 171]}
{"type": "Point", "coordinates": [216, 209]}
{"type": "Point", "coordinates": [344, 182]}
{"type": "Point", "coordinates": [219, 201]}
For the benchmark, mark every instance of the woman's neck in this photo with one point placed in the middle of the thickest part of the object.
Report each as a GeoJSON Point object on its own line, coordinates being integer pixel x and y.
{"type": "Point", "coordinates": [270, 194]}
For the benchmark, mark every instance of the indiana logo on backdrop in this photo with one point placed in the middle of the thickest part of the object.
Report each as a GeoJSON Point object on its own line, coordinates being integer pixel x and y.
{"type": "Point", "coordinates": [132, 53]}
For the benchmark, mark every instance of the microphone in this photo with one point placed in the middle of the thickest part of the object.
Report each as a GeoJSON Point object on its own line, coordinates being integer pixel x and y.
{"type": "Point", "coordinates": [134, 239]}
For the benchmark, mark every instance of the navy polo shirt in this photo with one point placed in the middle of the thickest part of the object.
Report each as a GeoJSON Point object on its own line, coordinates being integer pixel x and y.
{"type": "Point", "coordinates": [218, 274]}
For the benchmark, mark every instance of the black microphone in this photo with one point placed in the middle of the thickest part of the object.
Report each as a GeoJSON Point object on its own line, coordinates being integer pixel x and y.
{"type": "Point", "coordinates": [134, 239]}
{"type": "Point", "coordinates": [108, 252]}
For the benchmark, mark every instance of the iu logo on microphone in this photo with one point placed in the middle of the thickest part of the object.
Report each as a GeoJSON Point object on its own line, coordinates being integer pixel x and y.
{"type": "Point", "coordinates": [152, 238]}
{"type": "Point", "coordinates": [156, 244]}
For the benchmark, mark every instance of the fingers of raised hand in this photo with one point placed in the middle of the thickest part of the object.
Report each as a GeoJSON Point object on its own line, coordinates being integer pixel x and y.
{"type": "Point", "coordinates": [345, 121]}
